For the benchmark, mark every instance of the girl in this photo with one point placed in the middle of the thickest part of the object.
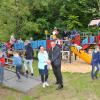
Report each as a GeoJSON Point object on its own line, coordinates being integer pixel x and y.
{"type": "Point", "coordinates": [43, 65]}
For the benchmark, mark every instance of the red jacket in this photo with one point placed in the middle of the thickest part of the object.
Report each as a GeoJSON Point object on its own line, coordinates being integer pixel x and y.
{"type": "Point", "coordinates": [2, 60]}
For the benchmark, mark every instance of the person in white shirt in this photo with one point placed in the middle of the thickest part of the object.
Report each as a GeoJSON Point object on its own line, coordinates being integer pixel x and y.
{"type": "Point", "coordinates": [43, 63]}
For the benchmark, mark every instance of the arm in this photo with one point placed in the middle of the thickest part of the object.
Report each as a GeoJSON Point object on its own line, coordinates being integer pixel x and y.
{"type": "Point", "coordinates": [57, 54]}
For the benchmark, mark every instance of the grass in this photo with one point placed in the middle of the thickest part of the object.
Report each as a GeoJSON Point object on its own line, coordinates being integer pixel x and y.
{"type": "Point", "coordinates": [76, 87]}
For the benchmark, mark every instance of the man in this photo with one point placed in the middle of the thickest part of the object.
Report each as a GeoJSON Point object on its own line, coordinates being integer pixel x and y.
{"type": "Point", "coordinates": [55, 58]}
{"type": "Point", "coordinates": [28, 57]}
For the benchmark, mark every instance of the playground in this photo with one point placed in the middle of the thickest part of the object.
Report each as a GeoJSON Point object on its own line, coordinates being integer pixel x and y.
{"type": "Point", "coordinates": [49, 49]}
{"type": "Point", "coordinates": [76, 70]}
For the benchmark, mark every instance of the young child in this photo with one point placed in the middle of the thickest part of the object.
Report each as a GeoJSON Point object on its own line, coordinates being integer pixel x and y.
{"type": "Point", "coordinates": [95, 62]}
{"type": "Point", "coordinates": [2, 62]}
{"type": "Point", "coordinates": [2, 59]}
{"type": "Point", "coordinates": [17, 61]}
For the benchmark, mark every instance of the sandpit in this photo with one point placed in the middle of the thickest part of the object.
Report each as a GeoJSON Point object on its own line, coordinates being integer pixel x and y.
{"type": "Point", "coordinates": [77, 66]}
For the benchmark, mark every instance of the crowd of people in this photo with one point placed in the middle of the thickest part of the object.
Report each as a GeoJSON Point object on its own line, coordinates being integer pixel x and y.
{"type": "Point", "coordinates": [45, 59]}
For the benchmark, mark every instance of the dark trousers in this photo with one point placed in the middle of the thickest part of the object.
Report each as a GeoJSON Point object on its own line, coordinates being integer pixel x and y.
{"type": "Point", "coordinates": [44, 78]}
{"type": "Point", "coordinates": [93, 72]}
{"type": "Point", "coordinates": [18, 71]}
{"type": "Point", "coordinates": [57, 73]}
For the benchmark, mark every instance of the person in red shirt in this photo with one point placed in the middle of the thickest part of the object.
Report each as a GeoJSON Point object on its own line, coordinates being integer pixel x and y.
{"type": "Point", "coordinates": [2, 59]}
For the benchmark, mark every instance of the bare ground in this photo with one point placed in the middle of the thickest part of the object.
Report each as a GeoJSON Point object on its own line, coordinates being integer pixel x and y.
{"type": "Point", "coordinates": [77, 66]}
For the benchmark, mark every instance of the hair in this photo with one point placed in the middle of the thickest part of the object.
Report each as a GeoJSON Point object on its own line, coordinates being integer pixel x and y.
{"type": "Point", "coordinates": [40, 46]}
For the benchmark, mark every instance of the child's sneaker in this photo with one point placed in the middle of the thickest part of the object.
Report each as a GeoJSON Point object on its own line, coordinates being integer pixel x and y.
{"type": "Point", "coordinates": [26, 75]}
{"type": "Point", "coordinates": [43, 85]}
{"type": "Point", "coordinates": [46, 83]}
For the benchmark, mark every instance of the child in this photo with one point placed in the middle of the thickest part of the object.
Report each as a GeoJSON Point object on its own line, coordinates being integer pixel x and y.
{"type": "Point", "coordinates": [43, 66]}
{"type": "Point", "coordinates": [2, 59]}
{"type": "Point", "coordinates": [94, 63]}
{"type": "Point", "coordinates": [2, 62]}
{"type": "Point", "coordinates": [17, 61]}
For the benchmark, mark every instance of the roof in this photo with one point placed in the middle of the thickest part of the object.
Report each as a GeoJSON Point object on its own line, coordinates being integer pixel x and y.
{"type": "Point", "coordinates": [95, 22]}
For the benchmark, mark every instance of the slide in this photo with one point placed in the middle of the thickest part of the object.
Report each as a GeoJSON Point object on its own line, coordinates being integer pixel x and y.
{"type": "Point", "coordinates": [82, 55]}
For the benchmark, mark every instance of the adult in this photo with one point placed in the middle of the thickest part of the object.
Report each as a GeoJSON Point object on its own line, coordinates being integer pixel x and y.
{"type": "Point", "coordinates": [28, 57]}
{"type": "Point", "coordinates": [20, 40]}
{"type": "Point", "coordinates": [55, 58]}
{"type": "Point", "coordinates": [12, 39]}
{"type": "Point", "coordinates": [95, 63]}
{"type": "Point", "coordinates": [43, 65]}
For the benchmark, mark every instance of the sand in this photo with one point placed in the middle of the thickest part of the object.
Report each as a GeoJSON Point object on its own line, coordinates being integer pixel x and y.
{"type": "Point", "coordinates": [77, 66]}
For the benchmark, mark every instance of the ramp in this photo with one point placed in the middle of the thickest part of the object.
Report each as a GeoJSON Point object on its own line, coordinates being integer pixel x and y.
{"type": "Point", "coordinates": [83, 55]}
{"type": "Point", "coordinates": [26, 84]}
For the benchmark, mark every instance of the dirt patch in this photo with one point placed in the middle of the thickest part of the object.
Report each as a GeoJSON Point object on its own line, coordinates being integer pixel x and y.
{"type": "Point", "coordinates": [77, 66]}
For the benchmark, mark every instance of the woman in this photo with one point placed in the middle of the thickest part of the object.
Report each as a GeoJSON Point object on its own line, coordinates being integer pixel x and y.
{"type": "Point", "coordinates": [43, 65]}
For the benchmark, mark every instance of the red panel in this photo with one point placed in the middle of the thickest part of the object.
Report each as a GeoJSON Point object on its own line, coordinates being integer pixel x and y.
{"type": "Point", "coordinates": [48, 44]}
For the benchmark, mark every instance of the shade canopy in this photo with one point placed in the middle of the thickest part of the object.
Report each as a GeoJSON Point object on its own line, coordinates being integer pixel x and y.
{"type": "Point", "coordinates": [95, 22]}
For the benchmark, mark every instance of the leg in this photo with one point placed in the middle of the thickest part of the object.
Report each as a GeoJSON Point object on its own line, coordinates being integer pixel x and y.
{"type": "Point", "coordinates": [18, 72]}
{"type": "Point", "coordinates": [42, 78]}
{"type": "Point", "coordinates": [59, 75]}
{"type": "Point", "coordinates": [46, 78]}
{"type": "Point", "coordinates": [25, 66]}
{"type": "Point", "coordinates": [92, 72]}
{"type": "Point", "coordinates": [31, 67]}
{"type": "Point", "coordinates": [97, 70]}
{"type": "Point", "coordinates": [43, 81]}
{"type": "Point", "coordinates": [54, 71]}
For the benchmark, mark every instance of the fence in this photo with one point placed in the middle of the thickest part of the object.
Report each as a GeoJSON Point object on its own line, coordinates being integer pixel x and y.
{"type": "Point", "coordinates": [34, 44]}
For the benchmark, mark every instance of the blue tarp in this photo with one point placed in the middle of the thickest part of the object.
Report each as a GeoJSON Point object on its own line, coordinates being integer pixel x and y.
{"type": "Point", "coordinates": [42, 42]}
{"type": "Point", "coordinates": [85, 41]}
{"type": "Point", "coordinates": [34, 44]}
{"type": "Point", "coordinates": [92, 39]}
{"type": "Point", "coordinates": [19, 46]}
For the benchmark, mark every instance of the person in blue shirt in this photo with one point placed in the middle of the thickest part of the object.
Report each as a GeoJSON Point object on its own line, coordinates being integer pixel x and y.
{"type": "Point", "coordinates": [17, 62]}
{"type": "Point", "coordinates": [94, 62]}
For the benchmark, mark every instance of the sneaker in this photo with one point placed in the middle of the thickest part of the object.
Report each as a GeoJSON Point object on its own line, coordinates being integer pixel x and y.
{"type": "Point", "coordinates": [31, 74]}
{"type": "Point", "coordinates": [46, 84]}
{"type": "Point", "coordinates": [19, 80]}
{"type": "Point", "coordinates": [43, 85]}
{"type": "Point", "coordinates": [26, 75]}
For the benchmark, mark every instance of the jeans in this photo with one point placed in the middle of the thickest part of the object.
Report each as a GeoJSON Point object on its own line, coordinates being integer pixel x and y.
{"type": "Point", "coordinates": [94, 72]}
{"type": "Point", "coordinates": [18, 71]}
{"type": "Point", "coordinates": [44, 78]}
{"type": "Point", "coordinates": [28, 63]}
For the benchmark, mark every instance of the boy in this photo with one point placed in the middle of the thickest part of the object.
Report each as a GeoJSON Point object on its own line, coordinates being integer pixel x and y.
{"type": "Point", "coordinates": [17, 61]}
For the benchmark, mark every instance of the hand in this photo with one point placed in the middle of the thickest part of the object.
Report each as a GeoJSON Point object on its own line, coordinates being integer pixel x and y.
{"type": "Point", "coordinates": [48, 62]}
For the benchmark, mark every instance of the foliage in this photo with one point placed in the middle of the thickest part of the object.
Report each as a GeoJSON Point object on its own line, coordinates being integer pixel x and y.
{"type": "Point", "coordinates": [32, 16]}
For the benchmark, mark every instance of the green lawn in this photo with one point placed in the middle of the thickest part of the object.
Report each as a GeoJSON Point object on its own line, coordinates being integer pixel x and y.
{"type": "Point", "coordinates": [76, 87]}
